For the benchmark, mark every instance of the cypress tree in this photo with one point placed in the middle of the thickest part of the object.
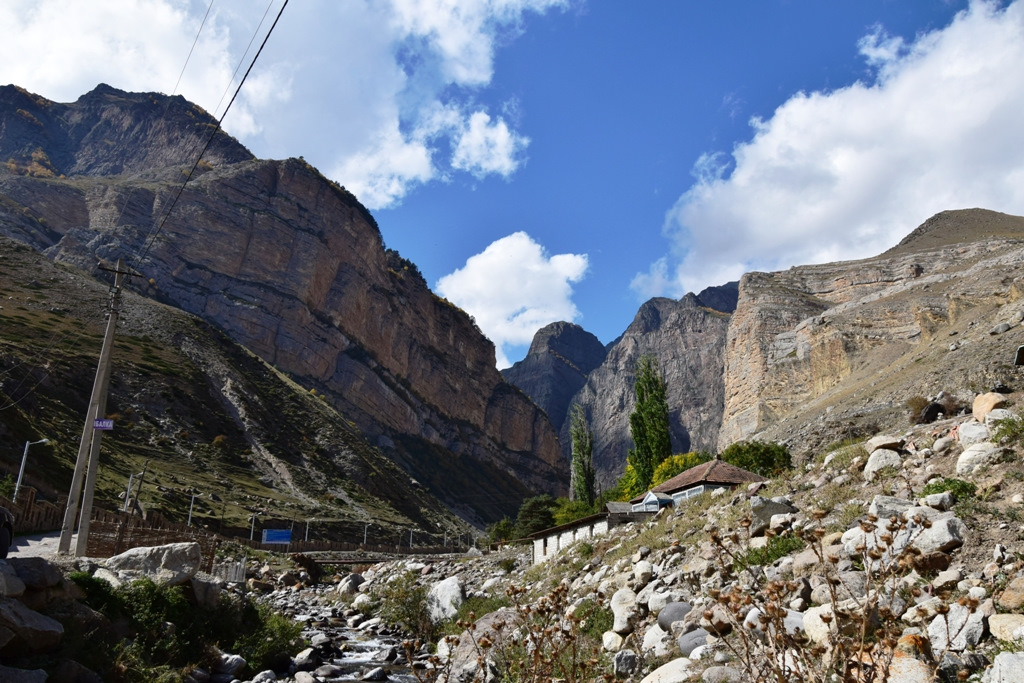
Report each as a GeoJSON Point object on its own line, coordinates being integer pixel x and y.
{"type": "Point", "coordinates": [648, 423]}
{"type": "Point", "coordinates": [582, 482]}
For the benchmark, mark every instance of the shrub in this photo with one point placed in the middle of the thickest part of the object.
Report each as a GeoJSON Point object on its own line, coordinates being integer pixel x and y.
{"type": "Point", "coordinates": [958, 487]}
{"type": "Point", "coordinates": [915, 406]}
{"type": "Point", "coordinates": [1011, 429]}
{"type": "Point", "coordinates": [766, 459]}
{"type": "Point", "coordinates": [778, 546]}
{"type": "Point", "coordinates": [403, 602]}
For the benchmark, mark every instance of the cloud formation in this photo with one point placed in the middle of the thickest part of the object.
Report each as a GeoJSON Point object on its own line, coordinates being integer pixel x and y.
{"type": "Point", "coordinates": [848, 173]}
{"type": "Point", "coordinates": [513, 288]}
{"type": "Point", "coordinates": [401, 78]}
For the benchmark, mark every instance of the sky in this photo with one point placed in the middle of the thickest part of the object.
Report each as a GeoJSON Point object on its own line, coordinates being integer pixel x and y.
{"type": "Point", "coordinates": [546, 160]}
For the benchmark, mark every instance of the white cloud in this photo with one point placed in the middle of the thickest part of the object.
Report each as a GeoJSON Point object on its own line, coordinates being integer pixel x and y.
{"type": "Point", "coordinates": [486, 147]}
{"type": "Point", "coordinates": [382, 72]}
{"type": "Point", "coordinates": [513, 288]}
{"type": "Point", "coordinates": [848, 173]}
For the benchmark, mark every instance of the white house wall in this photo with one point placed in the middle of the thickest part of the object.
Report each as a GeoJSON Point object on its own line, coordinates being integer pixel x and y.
{"type": "Point", "coordinates": [544, 548]}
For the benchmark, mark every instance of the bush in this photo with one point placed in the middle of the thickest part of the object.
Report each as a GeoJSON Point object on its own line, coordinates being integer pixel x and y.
{"type": "Point", "coordinates": [1011, 429]}
{"type": "Point", "coordinates": [403, 602]}
{"type": "Point", "coordinates": [778, 546]}
{"type": "Point", "coordinates": [677, 464]}
{"type": "Point", "coordinates": [958, 487]}
{"type": "Point", "coordinates": [766, 459]}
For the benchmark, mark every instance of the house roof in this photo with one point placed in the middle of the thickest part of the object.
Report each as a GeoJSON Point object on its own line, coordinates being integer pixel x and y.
{"type": "Point", "coordinates": [711, 472]}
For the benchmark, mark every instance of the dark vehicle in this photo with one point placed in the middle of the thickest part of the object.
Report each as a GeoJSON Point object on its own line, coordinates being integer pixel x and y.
{"type": "Point", "coordinates": [6, 531]}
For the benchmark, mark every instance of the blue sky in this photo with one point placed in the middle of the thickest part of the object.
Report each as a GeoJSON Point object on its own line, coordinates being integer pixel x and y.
{"type": "Point", "coordinates": [545, 160]}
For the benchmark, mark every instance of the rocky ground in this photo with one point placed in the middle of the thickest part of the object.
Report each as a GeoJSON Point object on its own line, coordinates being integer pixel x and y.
{"type": "Point", "coordinates": [894, 559]}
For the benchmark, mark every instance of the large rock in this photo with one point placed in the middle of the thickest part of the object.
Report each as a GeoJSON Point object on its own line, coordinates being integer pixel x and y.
{"type": "Point", "coordinates": [671, 613]}
{"type": "Point", "coordinates": [691, 640]}
{"type": "Point", "coordinates": [171, 564]}
{"type": "Point", "coordinates": [676, 671]}
{"type": "Point", "coordinates": [444, 599]}
{"type": "Point", "coordinates": [1008, 667]}
{"type": "Point", "coordinates": [879, 460]}
{"type": "Point", "coordinates": [36, 572]}
{"type": "Point", "coordinates": [464, 661]}
{"type": "Point", "coordinates": [985, 403]}
{"type": "Point", "coordinates": [958, 629]}
{"type": "Point", "coordinates": [971, 433]}
{"type": "Point", "coordinates": [12, 675]}
{"type": "Point", "coordinates": [977, 456]}
{"type": "Point", "coordinates": [763, 509]}
{"type": "Point", "coordinates": [1007, 627]}
{"type": "Point", "coordinates": [27, 631]}
{"type": "Point", "coordinates": [625, 610]}
{"type": "Point", "coordinates": [657, 641]}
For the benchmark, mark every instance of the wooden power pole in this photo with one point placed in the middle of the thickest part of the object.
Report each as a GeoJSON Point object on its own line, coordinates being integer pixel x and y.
{"type": "Point", "coordinates": [92, 431]}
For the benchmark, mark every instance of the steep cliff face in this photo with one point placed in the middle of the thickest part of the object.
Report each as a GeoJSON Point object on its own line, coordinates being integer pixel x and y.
{"type": "Point", "coordinates": [556, 367]}
{"type": "Point", "coordinates": [813, 332]}
{"type": "Point", "coordinates": [291, 266]}
{"type": "Point", "coordinates": [687, 338]}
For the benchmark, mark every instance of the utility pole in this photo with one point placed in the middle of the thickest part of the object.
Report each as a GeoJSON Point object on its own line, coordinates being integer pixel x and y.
{"type": "Point", "coordinates": [92, 431]}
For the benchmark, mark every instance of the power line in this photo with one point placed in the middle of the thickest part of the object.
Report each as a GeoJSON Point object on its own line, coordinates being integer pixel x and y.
{"type": "Point", "coordinates": [191, 49]}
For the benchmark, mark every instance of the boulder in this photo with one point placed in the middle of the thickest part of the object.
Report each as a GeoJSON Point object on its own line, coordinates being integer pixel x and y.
{"type": "Point", "coordinates": [677, 671]}
{"type": "Point", "coordinates": [966, 629]}
{"type": "Point", "coordinates": [11, 675]}
{"type": "Point", "coordinates": [625, 663]}
{"type": "Point", "coordinates": [349, 585]}
{"type": "Point", "coordinates": [1008, 667]}
{"type": "Point", "coordinates": [996, 415]}
{"type": "Point", "coordinates": [944, 534]}
{"type": "Point", "coordinates": [611, 641]}
{"type": "Point", "coordinates": [905, 669]}
{"type": "Point", "coordinates": [971, 433]}
{"type": "Point", "coordinates": [1012, 597]}
{"type": "Point", "coordinates": [172, 564]}
{"type": "Point", "coordinates": [1007, 627]}
{"type": "Point", "coordinates": [939, 501]}
{"type": "Point", "coordinates": [444, 599]}
{"type": "Point", "coordinates": [885, 507]}
{"type": "Point", "coordinates": [977, 456]}
{"type": "Point", "coordinates": [888, 441]}
{"type": "Point", "coordinates": [207, 591]}
{"type": "Point", "coordinates": [657, 641]}
{"type": "Point", "coordinates": [879, 460]}
{"type": "Point", "coordinates": [464, 660]}
{"type": "Point", "coordinates": [625, 609]}
{"type": "Point", "coordinates": [985, 403]}
{"type": "Point", "coordinates": [721, 674]}
{"type": "Point", "coordinates": [762, 510]}
{"type": "Point", "coordinates": [691, 640]}
{"type": "Point", "coordinates": [37, 573]}
{"type": "Point", "coordinates": [27, 631]}
{"type": "Point", "coordinates": [671, 613]}
{"type": "Point", "coordinates": [11, 585]}
{"type": "Point", "coordinates": [642, 572]}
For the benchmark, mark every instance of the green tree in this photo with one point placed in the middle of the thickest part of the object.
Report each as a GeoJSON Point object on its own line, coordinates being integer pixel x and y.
{"type": "Point", "coordinates": [570, 510]}
{"type": "Point", "coordinates": [502, 530]}
{"type": "Point", "coordinates": [677, 464]}
{"type": "Point", "coordinates": [535, 514]}
{"type": "Point", "coordinates": [582, 484]}
{"type": "Point", "coordinates": [766, 459]}
{"type": "Point", "coordinates": [648, 423]}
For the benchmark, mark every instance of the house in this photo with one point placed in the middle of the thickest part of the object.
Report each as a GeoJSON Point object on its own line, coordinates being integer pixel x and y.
{"type": "Point", "coordinates": [549, 542]}
{"type": "Point", "coordinates": [714, 474]}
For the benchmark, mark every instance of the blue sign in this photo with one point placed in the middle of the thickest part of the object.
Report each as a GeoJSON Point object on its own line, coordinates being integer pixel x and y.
{"type": "Point", "coordinates": [283, 536]}
{"type": "Point", "coordinates": [105, 425]}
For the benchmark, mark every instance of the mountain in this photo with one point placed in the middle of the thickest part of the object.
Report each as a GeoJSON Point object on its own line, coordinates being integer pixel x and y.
{"type": "Point", "coordinates": [289, 265]}
{"type": "Point", "coordinates": [194, 410]}
{"type": "Point", "coordinates": [561, 356]}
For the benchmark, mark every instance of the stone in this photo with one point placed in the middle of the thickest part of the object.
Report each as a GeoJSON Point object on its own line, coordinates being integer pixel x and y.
{"type": "Point", "coordinates": [269, 675]}
{"type": "Point", "coordinates": [691, 640]}
{"type": "Point", "coordinates": [879, 460]}
{"type": "Point", "coordinates": [444, 599]}
{"type": "Point", "coordinates": [816, 628]}
{"type": "Point", "coordinates": [625, 610]}
{"type": "Point", "coordinates": [611, 641]}
{"type": "Point", "coordinates": [172, 564]}
{"type": "Point", "coordinates": [762, 510]}
{"type": "Point", "coordinates": [939, 501]}
{"type": "Point", "coordinates": [904, 669]}
{"type": "Point", "coordinates": [349, 585]}
{"type": "Point", "coordinates": [1007, 627]}
{"type": "Point", "coordinates": [463, 661]}
{"type": "Point", "coordinates": [677, 671]}
{"type": "Point", "coordinates": [885, 507]}
{"type": "Point", "coordinates": [31, 632]}
{"type": "Point", "coordinates": [206, 591]}
{"type": "Point", "coordinates": [1008, 667]}
{"type": "Point", "coordinates": [657, 641]}
{"type": "Point", "coordinates": [1000, 328]}
{"type": "Point", "coordinates": [966, 629]}
{"type": "Point", "coordinates": [985, 403]}
{"type": "Point", "coordinates": [971, 433]}
{"type": "Point", "coordinates": [996, 415]}
{"type": "Point", "coordinates": [977, 456]}
{"type": "Point", "coordinates": [375, 674]}
{"type": "Point", "coordinates": [947, 580]}
{"type": "Point", "coordinates": [37, 573]}
{"type": "Point", "coordinates": [888, 441]}
{"type": "Point", "coordinates": [625, 663]}
{"type": "Point", "coordinates": [943, 443]}
{"type": "Point", "coordinates": [228, 664]}
{"type": "Point", "coordinates": [721, 674]}
{"type": "Point", "coordinates": [11, 585]}
{"type": "Point", "coordinates": [305, 677]}
{"type": "Point", "coordinates": [1012, 597]}
{"type": "Point", "coordinates": [642, 572]}
{"type": "Point", "coordinates": [12, 675]}
{"type": "Point", "coordinates": [943, 535]}
{"type": "Point", "coordinates": [657, 602]}
{"type": "Point", "coordinates": [671, 613]}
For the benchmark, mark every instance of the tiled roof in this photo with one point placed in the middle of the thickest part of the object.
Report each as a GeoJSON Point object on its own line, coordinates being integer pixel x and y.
{"type": "Point", "coordinates": [711, 472]}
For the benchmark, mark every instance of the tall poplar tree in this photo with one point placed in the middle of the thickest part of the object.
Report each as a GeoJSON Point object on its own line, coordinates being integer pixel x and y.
{"type": "Point", "coordinates": [648, 423]}
{"type": "Point", "coordinates": [582, 483]}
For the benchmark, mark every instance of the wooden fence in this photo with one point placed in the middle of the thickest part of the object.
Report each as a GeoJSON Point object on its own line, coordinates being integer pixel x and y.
{"type": "Point", "coordinates": [111, 533]}
{"type": "Point", "coordinates": [32, 515]}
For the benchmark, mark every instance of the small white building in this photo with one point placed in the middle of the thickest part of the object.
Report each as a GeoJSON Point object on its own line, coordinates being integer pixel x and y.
{"type": "Point", "coordinates": [549, 542]}
{"type": "Point", "coordinates": [714, 474]}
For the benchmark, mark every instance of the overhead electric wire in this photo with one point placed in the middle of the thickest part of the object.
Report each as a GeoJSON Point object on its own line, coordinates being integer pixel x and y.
{"type": "Point", "coordinates": [159, 228]}
{"type": "Point", "coordinates": [151, 238]}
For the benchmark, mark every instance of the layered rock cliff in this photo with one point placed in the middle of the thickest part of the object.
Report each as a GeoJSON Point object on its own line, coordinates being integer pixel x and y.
{"type": "Point", "coordinates": [556, 367]}
{"type": "Point", "coordinates": [687, 339]}
{"type": "Point", "coordinates": [288, 264]}
{"type": "Point", "coordinates": [808, 339]}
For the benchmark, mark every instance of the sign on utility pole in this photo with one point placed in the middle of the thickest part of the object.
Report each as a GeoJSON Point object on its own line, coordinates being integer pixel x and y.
{"type": "Point", "coordinates": [92, 432]}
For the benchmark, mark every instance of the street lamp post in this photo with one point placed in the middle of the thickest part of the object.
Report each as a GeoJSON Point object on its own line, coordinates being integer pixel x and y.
{"type": "Point", "coordinates": [21, 472]}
